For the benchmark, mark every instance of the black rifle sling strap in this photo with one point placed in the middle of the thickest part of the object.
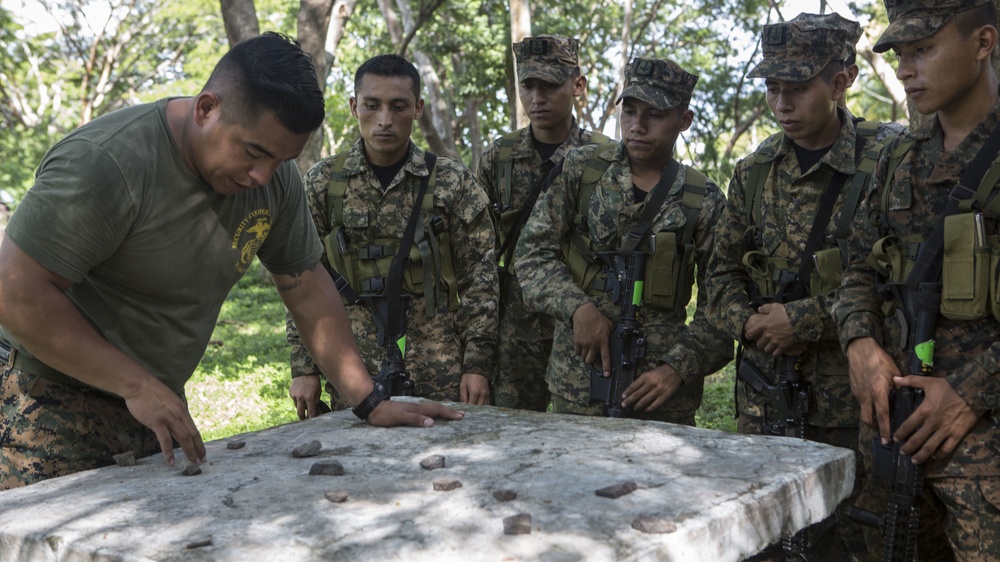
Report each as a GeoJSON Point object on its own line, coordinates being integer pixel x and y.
{"type": "Point", "coordinates": [394, 323]}
{"type": "Point", "coordinates": [506, 251]}
{"type": "Point", "coordinates": [654, 201]}
{"type": "Point", "coordinates": [928, 264]}
{"type": "Point", "coordinates": [823, 213]}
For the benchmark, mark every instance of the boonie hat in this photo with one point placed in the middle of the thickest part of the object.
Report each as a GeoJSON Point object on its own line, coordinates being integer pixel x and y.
{"type": "Point", "coordinates": [833, 20]}
{"type": "Point", "coordinates": [660, 83]}
{"type": "Point", "coordinates": [913, 20]}
{"type": "Point", "coordinates": [551, 58]}
{"type": "Point", "coordinates": [795, 51]}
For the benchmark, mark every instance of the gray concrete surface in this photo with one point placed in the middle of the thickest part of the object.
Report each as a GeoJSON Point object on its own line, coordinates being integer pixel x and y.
{"type": "Point", "coordinates": [718, 496]}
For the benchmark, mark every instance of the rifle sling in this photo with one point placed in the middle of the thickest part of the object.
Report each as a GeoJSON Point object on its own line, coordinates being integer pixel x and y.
{"type": "Point", "coordinates": [395, 323]}
{"type": "Point", "coordinates": [654, 201]}
{"type": "Point", "coordinates": [506, 251]}
{"type": "Point", "coordinates": [928, 264]}
{"type": "Point", "coordinates": [823, 213]}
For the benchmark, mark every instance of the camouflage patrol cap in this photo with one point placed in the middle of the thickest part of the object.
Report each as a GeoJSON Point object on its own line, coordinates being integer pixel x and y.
{"type": "Point", "coordinates": [913, 20]}
{"type": "Point", "coordinates": [833, 20]}
{"type": "Point", "coordinates": [795, 52]}
{"type": "Point", "coordinates": [660, 83]}
{"type": "Point", "coordinates": [551, 58]}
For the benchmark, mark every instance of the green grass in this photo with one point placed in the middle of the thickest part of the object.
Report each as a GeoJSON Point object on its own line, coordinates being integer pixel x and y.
{"type": "Point", "coordinates": [242, 381]}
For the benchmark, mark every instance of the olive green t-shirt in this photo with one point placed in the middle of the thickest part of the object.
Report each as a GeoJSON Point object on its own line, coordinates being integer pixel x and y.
{"type": "Point", "coordinates": [152, 249]}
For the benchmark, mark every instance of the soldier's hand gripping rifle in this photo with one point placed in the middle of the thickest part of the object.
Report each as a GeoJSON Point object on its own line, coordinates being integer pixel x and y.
{"type": "Point", "coordinates": [900, 523]}
{"type": "Point", "coordinates": [788, 400]}
{"type": "Point", "coordinates": [627, 343]}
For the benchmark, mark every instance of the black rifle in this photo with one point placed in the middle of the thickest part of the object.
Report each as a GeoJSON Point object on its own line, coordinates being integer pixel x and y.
{"type": "Point", "coordinates": [788, 400]}
{"type": "Point", "coordinates": [627, 343]}
{"type": "Point", "coordinates": [393, 375]}
{"type": "Point", "coordinates": [900, 523]}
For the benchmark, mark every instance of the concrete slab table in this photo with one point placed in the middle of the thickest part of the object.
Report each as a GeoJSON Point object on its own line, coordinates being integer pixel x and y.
{"type": "Point", "coordinates": [697, 495]}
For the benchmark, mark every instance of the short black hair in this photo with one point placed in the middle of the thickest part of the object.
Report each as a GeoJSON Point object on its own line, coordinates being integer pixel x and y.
{"type": "Point", "coordinates": [831, 69]}
{"type": "Point", "coordinates": [388, 65]}
{"type": "Point", "coordinates": [972, 19]}
{"type": "Point", "coordinates": [269, 72]}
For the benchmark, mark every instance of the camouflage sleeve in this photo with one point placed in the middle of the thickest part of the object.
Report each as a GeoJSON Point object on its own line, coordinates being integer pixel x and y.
{"type": "Point", "coordinates": [728, 305]}
{"type": "Point", "coordinates": [857, 309]}
{"type": "Point", "coordinates": [703, 348]}
{"type": "Point", "coordinates": [486, 172]}
{"type": "Point", "coordinates": [978, 381]}
{"type": "Point", "coordinates": [315, 182]}
{"type": "Point", "coordinates": [545, 280]}
{"type": "Point", "coordinates": [475, 266]}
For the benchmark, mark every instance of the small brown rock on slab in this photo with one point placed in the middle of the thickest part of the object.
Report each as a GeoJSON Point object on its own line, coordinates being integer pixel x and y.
{"type": "Point", "coordinates": [618, 490]}
{"type": "Point", "coordinates": [236, 444]}
{"type": "Point", "coordinates": [335, 496]}
{"type": "Point", "coordinates": [654, 524]}
{"type": "Point", "coordinates": [519, 524]}
{"type": "Point", "coordinates": [505, 495]}
{"type": "Point", "coordinates": [125, 459]}
{"type": "Point", "coordinates": [432, 462]}
{"type": "Point", "coordinates": [327, 468]}
{"type": "Point", "coordinates": [191, 470]}
{"type": "Point", "coordinates": [446, 485]}
{"type": "Point", "coordinates": [310, 449]}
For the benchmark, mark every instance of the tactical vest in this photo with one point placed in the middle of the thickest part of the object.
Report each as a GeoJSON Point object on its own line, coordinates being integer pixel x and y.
{"type": "Point", "coordinates": [669, 268]}
{"type": "Point", "coordinates": [365, 263]}
{"type": "Point", "coordinates": [770, 273]}
{"type": "Point", "coordinates": [505, 169]}
{"type": "Point", "coordinates": [970, 286]}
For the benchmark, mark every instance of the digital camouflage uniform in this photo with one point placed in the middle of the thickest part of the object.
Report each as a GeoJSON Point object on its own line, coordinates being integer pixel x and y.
{"type": "Point", "coordinates": [525, 336]}
{"type": "Point", "coordinates": [442, 346]}
{"type": "Point", "coordinates": [778, 227]}
{"type": "Point", "coordinates": [694, 350]}
{"type": "Point", "coordinates": [962, 492]}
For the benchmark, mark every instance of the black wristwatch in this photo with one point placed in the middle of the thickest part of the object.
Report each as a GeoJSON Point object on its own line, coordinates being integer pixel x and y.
{"type": "Point", "coordinates": [368, 405]}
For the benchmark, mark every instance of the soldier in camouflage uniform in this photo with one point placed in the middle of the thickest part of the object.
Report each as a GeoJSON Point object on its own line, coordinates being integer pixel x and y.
{"type": "Point", "coordinates": [451, 339]}
{"type": "Point", "coordinates": [510, 170]}
{"type": "Point", "coordinates": [773, 200]}
{"type": "Point", "coordinates": [678, 356]}
{"type": "Point", "coordinates": [944, 49]}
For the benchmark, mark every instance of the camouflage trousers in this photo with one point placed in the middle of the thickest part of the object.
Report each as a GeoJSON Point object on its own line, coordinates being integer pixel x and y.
{"type": "Point", "coordinates": [521, 365]}
{"type": "Point", "coordinates": [838, 537]}
{"type": "Point", "coordinates": [561, 405]}
{"type": "Point", "coordinates": [959, 517]}
{"type": "Point", "coordinates": [49, 430]}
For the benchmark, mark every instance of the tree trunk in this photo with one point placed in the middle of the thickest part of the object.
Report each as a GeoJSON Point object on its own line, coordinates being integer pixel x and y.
{"type": "Point", "coordinates": [240, 19]}
{"type": "Point", "coordinates": [320, 29]}
{"type": "Point", "coordinates": [520, 27]}
{"type": "Point", "coordinates": [436, 120]}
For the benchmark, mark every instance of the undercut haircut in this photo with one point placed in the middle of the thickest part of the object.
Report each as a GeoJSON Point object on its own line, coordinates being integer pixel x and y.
{"type": "Point", "coordinates": [388, 65]}
{"type": "Point", "coordinates": [269, 72]}
{"type": "Point", "coordinates": [972, 19]}
{"type": "Point", "coordinates": [831, 70]}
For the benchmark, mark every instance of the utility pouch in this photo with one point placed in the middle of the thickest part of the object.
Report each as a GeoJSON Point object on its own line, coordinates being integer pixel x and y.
{"type": "Point", "coordinates": [994, 276]}
{"type": "Point", "coordinates": [828, 272]}
{"type": "Point", "coordinates": [507, 220]}
{"type": "Point", "coordinates": [575, 251]}
{"type": "Point", "coordinates": [335, 244]}
{"type": "Point", "coordinates": [893, 257]}
{"type": "Point", "coordinates": [765, 271]}
{"type": "Point", "coordinates": [662, 269]}
{"type": "Point", "coordinates": [965, 271]}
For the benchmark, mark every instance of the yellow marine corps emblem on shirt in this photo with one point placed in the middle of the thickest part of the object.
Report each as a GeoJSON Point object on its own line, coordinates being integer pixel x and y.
{"type": "Point", "coordinates": [250, 235]}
